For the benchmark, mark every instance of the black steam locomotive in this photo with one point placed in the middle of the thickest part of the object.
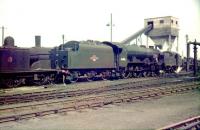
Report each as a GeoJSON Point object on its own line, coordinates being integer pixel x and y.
{"type": "Point", "coordinates": [86, 59]}
{"type": "Point", "coordinates": [23, 65]}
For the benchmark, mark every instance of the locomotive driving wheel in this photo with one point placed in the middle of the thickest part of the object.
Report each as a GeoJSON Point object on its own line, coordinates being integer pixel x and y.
{"type": "Point", "coordinates": [11, 83]}
{"type": "Point", "coordinates": [144, 74]}
{"type": "Point", "coordinates": [90, 76]}
{"type": "Point", "coordinates": [42, 80]}
{"type": "Point", "coordinates": [148, 74]}
{"type": "Point", "coordinates": [134, 74]}
{"type": "Point", "coordinates": [105, 75]}
{"type": "Point", "coordinates": [71, 78]}
{"type": "Point", "coordinates": [125, 75]}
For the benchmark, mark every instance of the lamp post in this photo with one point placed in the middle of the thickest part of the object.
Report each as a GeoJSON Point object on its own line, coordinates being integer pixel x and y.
{"type": "Point", "coordinates": [111, 25]}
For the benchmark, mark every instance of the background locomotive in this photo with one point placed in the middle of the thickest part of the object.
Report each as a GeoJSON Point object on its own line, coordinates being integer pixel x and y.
{"type": "Point", "coordinates": [23, 65]}
{"type": "Point", "coordinates": [86, 59]}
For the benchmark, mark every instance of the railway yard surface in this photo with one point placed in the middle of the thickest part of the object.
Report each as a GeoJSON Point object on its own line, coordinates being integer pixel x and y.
{"type": "Point", "coordinates": [138, 103]}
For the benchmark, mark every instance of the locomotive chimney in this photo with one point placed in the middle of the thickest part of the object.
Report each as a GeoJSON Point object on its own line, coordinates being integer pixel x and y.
{"type": "Point", "coordinates": [37, 41]}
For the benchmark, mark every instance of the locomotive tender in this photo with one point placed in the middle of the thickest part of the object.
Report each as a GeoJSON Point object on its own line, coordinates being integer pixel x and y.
{"type": "Point", "coordinates": [86, 59]}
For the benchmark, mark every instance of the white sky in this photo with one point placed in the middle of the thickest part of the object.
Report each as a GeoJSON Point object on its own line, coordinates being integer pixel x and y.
{"type": "Point", "coordinates": [87, 19]}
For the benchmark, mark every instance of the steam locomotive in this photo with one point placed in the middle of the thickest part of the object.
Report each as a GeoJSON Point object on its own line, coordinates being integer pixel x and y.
{"type": "Point", "coordinates": [86, 59]}
{"type": "Point", "coordinates": [23, 65]}
{"type": "Point", "coordinates": [107, 60]}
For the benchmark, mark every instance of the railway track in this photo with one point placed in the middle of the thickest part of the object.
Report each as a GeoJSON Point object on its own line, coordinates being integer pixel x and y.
{"type": "Point", "coordinates": [59, 94]}
{"type": "Point", "coordinates": [189, 124]}
{"type": "Point", "coordinates": [92, 101]}
{"type": "Point", "coordinates": [53, 94]}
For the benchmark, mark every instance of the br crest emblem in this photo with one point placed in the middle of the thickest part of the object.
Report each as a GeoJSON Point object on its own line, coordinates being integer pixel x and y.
{"type": "Point", "coordinates": [94, 58]}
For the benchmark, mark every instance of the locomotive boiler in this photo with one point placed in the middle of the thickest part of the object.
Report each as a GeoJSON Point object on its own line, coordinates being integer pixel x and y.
{"type": "Point", "coordinates": [142, 61]}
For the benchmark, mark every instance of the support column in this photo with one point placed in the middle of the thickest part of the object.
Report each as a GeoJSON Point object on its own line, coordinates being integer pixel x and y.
{"type": "Point", "coordinates": [140, 40]}
{"type": "Point", "coordinates": [169, 43]}
{"type": "Point", "coordinates": [136, 41]}
{"type": "Point", "coordinates": [147, 42]}
{"type": "Point", "coordinates": [195, 59]}
{"type": "Point", "coordinates": [177, 45]}
{"type": "Point", "coordinates": [188, 56]}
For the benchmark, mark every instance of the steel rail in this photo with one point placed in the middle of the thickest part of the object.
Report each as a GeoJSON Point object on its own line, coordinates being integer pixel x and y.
{"type": "Point", "coordinates": [92, 102]}
{"type": "Point", "coordinates": [188, 124]}
{"type": "Point", "coordinates": [48, 95]}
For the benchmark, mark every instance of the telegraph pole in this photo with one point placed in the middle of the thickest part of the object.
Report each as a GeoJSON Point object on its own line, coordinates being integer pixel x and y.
{"type": "Point", "coordinates": [111, 25]}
